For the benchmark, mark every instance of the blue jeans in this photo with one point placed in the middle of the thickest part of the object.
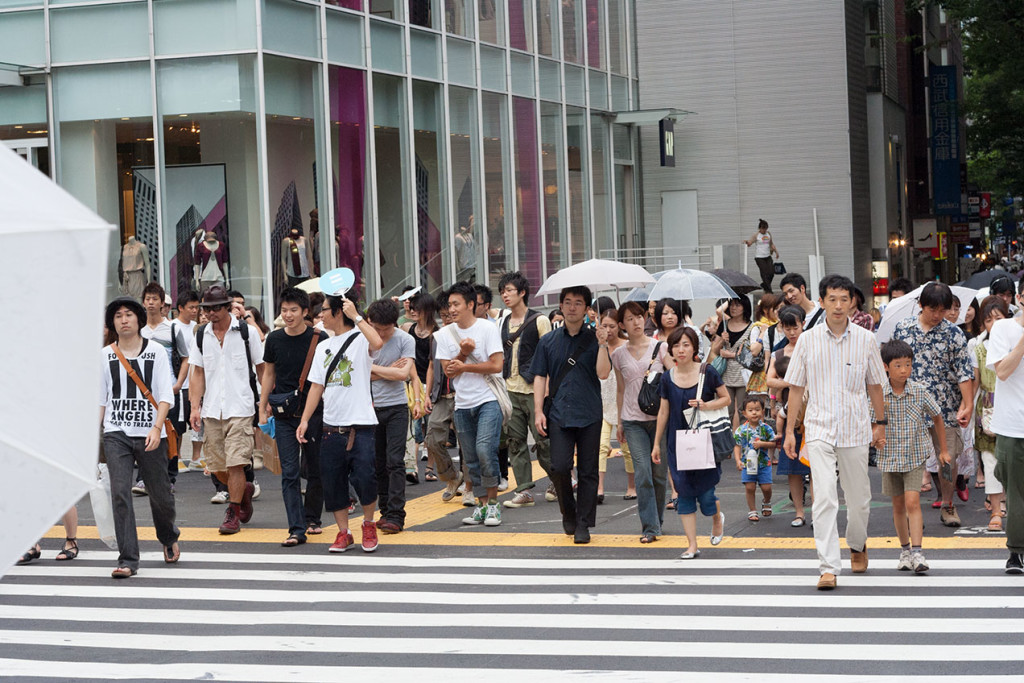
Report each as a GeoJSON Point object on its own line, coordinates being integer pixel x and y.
{"type": "Point", "coordinates": [687, 505]}
{"type": "Point", "coordinates": [479, 431]}
{"type": "Point", "coordinates": [651, 479]}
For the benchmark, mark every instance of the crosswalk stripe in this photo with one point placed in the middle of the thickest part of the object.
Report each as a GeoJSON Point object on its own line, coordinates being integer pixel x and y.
{"type": "Point", "coordinates": [471, 619]}
{"type": "Point", "coordinates": [889, 579]}
{"type": "Point", "coordinates": [547, 647]}
{"type": "Point", "coordinates": [216, 671]}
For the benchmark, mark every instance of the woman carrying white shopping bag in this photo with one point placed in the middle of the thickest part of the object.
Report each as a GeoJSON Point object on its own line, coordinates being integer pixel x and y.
{"type": "Point", "coordinates": [689, 420]}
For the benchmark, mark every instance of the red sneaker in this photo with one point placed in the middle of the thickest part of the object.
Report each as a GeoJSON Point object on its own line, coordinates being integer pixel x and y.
{"type": "Point", "coordinates": [369, 537]}
{"type": "Point", "coordinates": [342, 542]}
{"type": "Point", "coordinates": [245, 507]}
{"type": "Point", "coordinates": [231, 524]}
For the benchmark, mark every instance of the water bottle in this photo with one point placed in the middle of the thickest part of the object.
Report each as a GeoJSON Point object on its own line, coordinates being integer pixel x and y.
{"type": "Point", "coordinates": [752, 462]}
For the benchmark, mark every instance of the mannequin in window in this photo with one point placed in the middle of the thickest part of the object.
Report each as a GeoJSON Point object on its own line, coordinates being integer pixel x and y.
{"type": "Point", "coordinates": [296, 257]}
{"type": "Point", "coordinates": [211, 267]}
{"type": "Point", "coordinates": [135, 268]}
{"type": "Point", "coordinates": [314, 238]}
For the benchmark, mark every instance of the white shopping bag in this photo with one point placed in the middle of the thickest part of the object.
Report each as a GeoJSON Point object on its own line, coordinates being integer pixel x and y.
{"type": "Point", "coordinates": [102, 508]}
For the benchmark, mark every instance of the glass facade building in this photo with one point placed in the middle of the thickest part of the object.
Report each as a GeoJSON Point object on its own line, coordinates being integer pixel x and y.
{"type": "Point", "coordinates": [414, 141]}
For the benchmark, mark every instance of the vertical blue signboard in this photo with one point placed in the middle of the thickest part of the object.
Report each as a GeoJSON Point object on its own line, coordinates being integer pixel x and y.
{"type": "Point", "coordinates": [945, 138]}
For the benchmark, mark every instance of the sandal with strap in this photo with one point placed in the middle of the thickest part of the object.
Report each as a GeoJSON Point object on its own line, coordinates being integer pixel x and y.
{"type": "Point", "coordinates": [648, 538]}
{"type": "Point", "coordinates": [752, 516]}
{"type": "Point", "coordinates": [123, 573]}
{"type": "Point", "coordinates": [293, 541]}
{"type": "Point", "coordinates": [67, 553]}
{"type": "Point", "coordinates": [995, 523]}
{"type": "Point", "coordinates": [172, 553]}
{"type": "Point", "coordinates": [766, 509]}
{"type": "Point", "coordinates": [34, 553]}
{"type": "Point", "coordinates": [314, 530]}
{"type": "Point", "coordinates": [430, 475]}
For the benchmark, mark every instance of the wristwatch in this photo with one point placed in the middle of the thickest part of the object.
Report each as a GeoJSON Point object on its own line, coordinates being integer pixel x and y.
{"type": "Point", "coordinates": [359, 319]}
{"type": "Point", "coordinates": [880, 422]}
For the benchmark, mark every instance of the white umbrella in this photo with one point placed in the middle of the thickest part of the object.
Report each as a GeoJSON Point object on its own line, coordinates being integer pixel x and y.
{"type": "Point", "coordinates": [596, 274]}
{"type": "Point", "coordinates": [907, 306]}
{"type": "Point", "coordinates": [309, 286]}
{"type": "Point", "coordinates": [690, 285]}
{"type": "Point", "coordinates": [49, 414]}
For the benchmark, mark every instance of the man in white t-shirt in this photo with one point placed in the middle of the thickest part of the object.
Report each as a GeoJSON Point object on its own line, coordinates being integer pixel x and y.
{"type": "Point", "coordinates": [469, 349]}
{"type": "Point", "coordinates": [133, 432]}
{"type": "Point", "coordinates": [224, 400]}
{"type": "Point", "coordinates": [340, 375]}
{"type": "Point", "coordinates": [764, 248]}
{"type": "Point", "coordinates": [187, 320]}
{"type": "Point", "coordinates": [1005, 351]}
{"type": "Point", "coordinates": [794, 289]}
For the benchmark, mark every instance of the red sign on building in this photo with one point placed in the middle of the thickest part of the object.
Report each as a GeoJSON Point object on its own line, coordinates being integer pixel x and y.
{"type": "Point", "coordinates": [985, 207]}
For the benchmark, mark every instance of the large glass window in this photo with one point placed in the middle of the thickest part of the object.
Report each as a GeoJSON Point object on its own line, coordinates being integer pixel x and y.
{"type": "Point", "coordinates": [391, 145]}
{"type": "Point", "coordinates": [191, 26]}
{"type": "Point", "coordinates": [464, 139]}
{"type": "Point", "coordinates": [458, 17]}
{"type": "Point", "coordinates": [389, 9]}
{"type": "Point", "coordinates": [23, 126]}
{"type": "Point", "coordinates": [573, 23]}
{"type": "Point", "coordinates": [595, 35]}
{"type": "Point", "coordinates": [293, 100]}
{"type": "Point", "coordinates": [349, 163]}
{"type": "Point", "coordinates": [432, 224]}
{"type": "Point", "coordinates": [99, 32]}
{"type": "Point", "coordinates": [21, 38]}
{"type": "Point", "coordinates": [600, 149]}
{"type": "Point", "coordinates": [617, 37]}
{"type": "Point", "coordinates": [548, 28]}
{"type": "Point", "coordinates": [105, 124]}
{"type": "Point", "coordinates": [424, 13]}
{"type": "Point", "coordinates": [501, 242]}
{"type": "Point", "coordinates": [520, 24]}
{"type": "Point", "coordinates": [491, 14]}
{"type": "Point", "coordinates": [577, 149]}
{"type": "Point", "coordinates": [212, 221]}
{"type": "Point", "coordinates": [387, 43]}
{"type": "Point", "coordinates": [552, 141]}
{"type": "Point", "coordinates": [527, 188]}
{"type": "Point", "coordinates": [291, 27]}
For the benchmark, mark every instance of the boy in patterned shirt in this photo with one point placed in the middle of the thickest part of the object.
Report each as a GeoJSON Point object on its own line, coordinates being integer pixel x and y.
{"type": "Point", "coordinates": [907, 407]}
{"type": "Point", "coordinates": [753, 439]}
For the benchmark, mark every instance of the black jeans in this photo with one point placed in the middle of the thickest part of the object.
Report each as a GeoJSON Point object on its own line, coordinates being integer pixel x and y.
{"type": "Point", "coordinates": [290, 453]}
{"type": "Point", "coordinates": [767, 268]}
{"type": "Point", "coordinates": [392, 426]}
{"type": "Point", "coordinates": [586, 442]}
{"type": "Point", "coordinates": [310, 469]}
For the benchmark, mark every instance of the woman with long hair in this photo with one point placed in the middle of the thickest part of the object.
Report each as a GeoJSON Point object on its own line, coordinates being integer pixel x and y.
{"type": "Point", "coordinates": [423, 310]}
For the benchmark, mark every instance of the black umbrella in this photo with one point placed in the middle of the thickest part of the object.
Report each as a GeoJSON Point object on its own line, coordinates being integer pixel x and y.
{"type": "Point", "coordinates": [985, 278]}
{"type": "Point", "coordinates": [740, 283]}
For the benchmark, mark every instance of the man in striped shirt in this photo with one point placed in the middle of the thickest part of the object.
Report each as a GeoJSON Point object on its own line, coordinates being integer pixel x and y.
{"type": "Point", "coordinates": [839, 367]}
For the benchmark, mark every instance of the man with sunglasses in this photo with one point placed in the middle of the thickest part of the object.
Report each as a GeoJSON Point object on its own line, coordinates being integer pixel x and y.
{"type": "Point", "coordinates": [223, 402]}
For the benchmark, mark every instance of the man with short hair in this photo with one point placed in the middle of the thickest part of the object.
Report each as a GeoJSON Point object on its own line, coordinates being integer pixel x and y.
{"type": "Point", "coordinates": [1005, 351]}
{"type": "Point", "coordinates": [172, 338]}
{"type": "Point", "coordinates": [393, 366]}
{"type": "Point", "coordinates": [901, 286]}
{"type": "Point", "coordinates": [521, 332]}
{"type": "Point", "coordinates": [287, 358]}
{"type": "Point", "coordinates": [340, 375]}
{"type": "Point", "coordinates": [837, 367]}
{"type": "Point", "coordinates": [439, 423]}
{"type": "Point", "coordinates": [223, 400]}
{"type": "Point", "coordinates": [133, 431]}
{"type": "Point", "coordinates": [484, 299]}
{"type": "Point", "coordinates": [469, 349]}
{"type": "Point", "coordinates": [942, 366]}
{"type": "Point", "coordinates": [794, 289]}
{"type": "Point", "coordinates": [568, 367]}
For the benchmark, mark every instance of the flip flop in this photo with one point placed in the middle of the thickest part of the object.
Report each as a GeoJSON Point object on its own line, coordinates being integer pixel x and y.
{"type": "Point", "coordinates": [123, 573]}
{"type": "Point", "coordinates": [293, 541]}
{"type": "Point", "coordinates": [648, 538]}
{"type": "Point", "coordinates": [979, 484]}
{"type": "Point", "coordinates": [172, 553]}
{"type": "Point", "coordinates": [314, 530]}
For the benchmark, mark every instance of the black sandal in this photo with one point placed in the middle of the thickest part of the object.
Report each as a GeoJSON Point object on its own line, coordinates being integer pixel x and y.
{"type": "Point", "coordinates": [68, 553]}
{"type": "Point", "coordinates": [648, 538]}
{"type": "Point", "coordinates": [314, 529]}
{"type": "Point", "coordinates": [34, 553]}
{"type": "Point", "coordinates": [293, 541]}
{"type": "Point", "coordinates": [172, 553]}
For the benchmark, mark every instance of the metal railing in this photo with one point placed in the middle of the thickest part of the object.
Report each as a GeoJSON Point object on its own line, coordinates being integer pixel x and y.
{"type": "Point", "coordinates": [655, 259]}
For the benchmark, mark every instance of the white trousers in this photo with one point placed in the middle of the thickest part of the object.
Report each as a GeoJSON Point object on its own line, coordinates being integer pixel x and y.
{"type": "Point", "coordinates": [852, 464]}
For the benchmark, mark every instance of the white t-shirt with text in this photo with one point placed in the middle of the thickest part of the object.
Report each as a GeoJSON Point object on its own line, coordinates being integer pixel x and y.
{"type": "Point", "coordinates": [471, 388]}
{"type": "Point", "coordinates": [126, 408]}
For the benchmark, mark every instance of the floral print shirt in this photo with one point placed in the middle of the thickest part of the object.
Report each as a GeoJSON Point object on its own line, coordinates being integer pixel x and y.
{"type": "Point", "coordinates": [941, 362]}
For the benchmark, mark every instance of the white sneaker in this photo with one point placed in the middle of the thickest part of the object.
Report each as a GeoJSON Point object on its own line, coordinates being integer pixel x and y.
{"type": "Point", "coordinates": [196, 465]}
{"type": "Point", "coordinates": [219, 498]}
{"type": "Point", "coordinates": [478, 516]}
{"type": "Point", "coordinates": [139, 489]}
{"type": "Point", "coordinates": [503, 484]}
{"type": "Point", "coordinates": [461, 489]}
{"type": "Point", "coordinates": [550, 495]}
{"type": "Point", "coordinates": [520, 500]}
{"type": "Point", "coordinates": [468, 499]}
{"type": "Point", "coordinates": [906, 564]}
{"type": "Point", "coordinates": [256, 493]}
{"type": "Point", "coordinates": [920, 565]}
{"type": "Point", "coordinates": [493, 517]}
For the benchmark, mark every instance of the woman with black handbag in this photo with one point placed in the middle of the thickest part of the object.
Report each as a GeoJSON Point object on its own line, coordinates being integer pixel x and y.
{"type": "Point", "coordinates": [638, 368]}
{"type": "Point", "coordinates": [681, 409]}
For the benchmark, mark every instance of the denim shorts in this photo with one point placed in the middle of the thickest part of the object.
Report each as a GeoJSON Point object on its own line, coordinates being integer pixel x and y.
{"type": "Point", "coordinates": [687, 505]}
{"type": "Point", "coordinates": [763, 476]}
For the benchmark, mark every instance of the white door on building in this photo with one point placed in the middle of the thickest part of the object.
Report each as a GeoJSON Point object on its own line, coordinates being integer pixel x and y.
{"type": "Point", "coordinates": [32, 150]}
{"type": "Point", "coordinates": [679, 221]}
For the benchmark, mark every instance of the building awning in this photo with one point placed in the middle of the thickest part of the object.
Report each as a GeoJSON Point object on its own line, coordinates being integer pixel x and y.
{"type": "Point", "coordinates": [643, 117]}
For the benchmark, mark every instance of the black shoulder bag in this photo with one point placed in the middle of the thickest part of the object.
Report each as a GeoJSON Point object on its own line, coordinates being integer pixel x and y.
{"type": "Point", "coordinates": [569, 364]}
{"type": "Point", "coordinates": [649, 397]}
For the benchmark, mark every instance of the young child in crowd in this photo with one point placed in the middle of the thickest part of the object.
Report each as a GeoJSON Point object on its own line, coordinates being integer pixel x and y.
{"type": "Point", "coordinates": [907, 447]}
{"type": "Point", "coordinates": [753, 440]}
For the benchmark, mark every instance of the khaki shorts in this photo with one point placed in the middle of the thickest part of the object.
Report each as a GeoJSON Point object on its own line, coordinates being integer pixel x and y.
{"type": "Point", "coordinates": [229, 443]}
{"type": "Point", "coordinates": [898, 483]}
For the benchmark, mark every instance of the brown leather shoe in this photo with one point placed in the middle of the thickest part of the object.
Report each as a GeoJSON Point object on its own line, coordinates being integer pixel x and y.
{"type": "Point", "coordinates": [826, 582]}
{"type": "Point", "coordinates": [245, 507]}
{"type": "Point", "coordinates": [859, 561]}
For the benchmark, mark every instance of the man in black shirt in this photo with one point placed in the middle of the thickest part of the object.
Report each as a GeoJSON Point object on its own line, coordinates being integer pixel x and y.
{"type": "Point", "coordinates": [569, 364]}
{"type": "Point", "coordinates": [287, 354]}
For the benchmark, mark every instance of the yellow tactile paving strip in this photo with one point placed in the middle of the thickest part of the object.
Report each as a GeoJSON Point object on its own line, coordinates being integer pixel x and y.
{"type": "Point", "coordinates": [429, 508]}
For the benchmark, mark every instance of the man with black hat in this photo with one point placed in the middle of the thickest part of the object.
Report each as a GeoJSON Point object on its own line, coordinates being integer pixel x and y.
{"type": "Point", "coordinates": [136, 394]}
{"type": "Point", "coordinates": [224, 399]}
